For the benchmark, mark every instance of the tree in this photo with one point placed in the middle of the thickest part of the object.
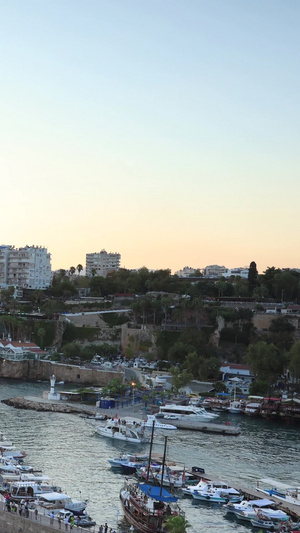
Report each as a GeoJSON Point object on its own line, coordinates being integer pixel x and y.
{"type": "Point", "coordinates": [176, 524]}
{"type": "Point", "coordinates": [79, 268]}
{"type": "Point", "coordinates": [72, 270]}
{"type": "Point", "coordinates": [294, 360]}
{"type": "Point", "coordinates": [252, 277]}
{"type": "Point", "coordinates": [266, 361]}
{"type": "Point", "coordinates": [41, 334]}
{"type": "Point", "coordinates": [180, 379]}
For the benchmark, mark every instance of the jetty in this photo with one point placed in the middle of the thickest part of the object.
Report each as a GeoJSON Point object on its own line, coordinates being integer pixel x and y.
{"type": "Point", "coordinates": [206, 427]}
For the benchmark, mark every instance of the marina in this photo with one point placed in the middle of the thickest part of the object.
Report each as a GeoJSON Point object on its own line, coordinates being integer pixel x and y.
{"type": "Point", "coordinates": [65, 447]}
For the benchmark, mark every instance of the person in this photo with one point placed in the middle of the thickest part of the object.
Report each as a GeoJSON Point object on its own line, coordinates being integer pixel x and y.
{"type": "Point", "coordinates": [26, 509]}
{"type": "Point", "coordinates": [7, 503]}
{"type": "Point", "coordinates": [66, 521]}
{"type": "Point", "coordinates": [100, 530]}
{"type": "Point", "coordinates": [59, 521]}
{"type": "Point", "coordinates": [36, 513]}
{"type": "Point", "coordinates": [72, 522]}
{"type": "Point", "coordinates": [51, 518]}
{"type": "Point", "coordinates": [105, 527]}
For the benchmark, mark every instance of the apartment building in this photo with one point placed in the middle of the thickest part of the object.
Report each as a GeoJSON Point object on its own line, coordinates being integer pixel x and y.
{"type": "Point", "coordinates": [27, 268]}
{"type": "Point", "coordinates": [100, 264]}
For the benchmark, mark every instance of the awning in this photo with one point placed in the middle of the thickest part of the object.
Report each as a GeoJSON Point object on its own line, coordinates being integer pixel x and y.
{"type": "Point", "coordinates": [262, 503]}
{"type": "Point", "coordinates": [154, 493]}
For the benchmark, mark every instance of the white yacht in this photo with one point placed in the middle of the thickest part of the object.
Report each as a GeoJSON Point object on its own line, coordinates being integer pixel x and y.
{"type": "Point", "coordinates": [190, 412]}
{"type": "Point", "coordinates": [157, 424]}
{"type": "Point", "coordinates": [128, 430]}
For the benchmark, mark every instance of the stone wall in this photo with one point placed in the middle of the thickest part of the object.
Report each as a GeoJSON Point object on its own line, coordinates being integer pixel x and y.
{"type": "Point", "coordinates": [42, 370]}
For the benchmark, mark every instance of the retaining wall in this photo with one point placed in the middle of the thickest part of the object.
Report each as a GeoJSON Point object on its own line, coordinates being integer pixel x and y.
{"type": "Point", "coordinates": [32, 370]}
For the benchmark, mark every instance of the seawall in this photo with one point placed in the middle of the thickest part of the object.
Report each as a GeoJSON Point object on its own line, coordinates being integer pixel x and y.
{"type": "Point", "coordinates": [32, 370]}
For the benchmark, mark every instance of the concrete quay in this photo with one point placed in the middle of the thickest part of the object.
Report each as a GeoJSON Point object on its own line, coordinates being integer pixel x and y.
{"type": "Point", "coordinates": [14, 523]}
{"type": "Point", "coordinates": [205, 427]}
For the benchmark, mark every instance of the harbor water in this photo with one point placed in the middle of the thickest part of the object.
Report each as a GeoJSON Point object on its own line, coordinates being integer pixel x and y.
{"type": "Point", "coordinates": [66, 448]}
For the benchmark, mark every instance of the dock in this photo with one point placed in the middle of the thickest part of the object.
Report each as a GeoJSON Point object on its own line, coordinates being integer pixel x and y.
{"type": "Point", "coordinates": [205, 427]}
{"type": "Point", "coordinates": [289, 508]}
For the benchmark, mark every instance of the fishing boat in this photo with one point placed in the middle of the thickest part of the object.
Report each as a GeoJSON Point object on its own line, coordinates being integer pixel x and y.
{"type": "Point", "coordinates": [128, 430]}
{"type": "Point", "coordinates": [146, 507]}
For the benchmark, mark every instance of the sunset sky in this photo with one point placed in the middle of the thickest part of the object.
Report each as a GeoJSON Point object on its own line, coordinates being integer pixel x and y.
{"type": "Point", "coordinates": [165, 130]}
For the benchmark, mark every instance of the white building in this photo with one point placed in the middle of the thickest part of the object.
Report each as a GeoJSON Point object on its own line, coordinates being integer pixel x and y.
{"type": "Point", "coordinates": [101, 263]}
{"type": "Point", "coordinates": [186, 272]}
{"type": "Point", "coordinates": [215, 271]}
{"type": "Point", "coordinates": [28, 267]}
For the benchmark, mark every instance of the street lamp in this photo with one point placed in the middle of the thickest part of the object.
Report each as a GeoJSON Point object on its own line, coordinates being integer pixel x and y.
{"type": "Point", "coordinates": [133, 385]}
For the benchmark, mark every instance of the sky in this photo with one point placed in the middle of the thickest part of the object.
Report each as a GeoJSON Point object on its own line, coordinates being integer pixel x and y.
{"type": "Point", "coordinates": [164, 130]}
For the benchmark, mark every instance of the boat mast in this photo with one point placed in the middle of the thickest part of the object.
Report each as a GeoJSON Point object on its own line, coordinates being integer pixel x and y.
{"type": "Point", "coordinates": [150, 451]}
{"type": "Point", "coordinates": [163, 466]}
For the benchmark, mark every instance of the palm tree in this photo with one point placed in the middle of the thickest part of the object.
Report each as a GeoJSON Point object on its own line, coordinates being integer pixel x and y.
{"type": "Point", "coordinates": [176, 524]}
{"type": "Point", "coordinates": [79, 268]}
{"type": "Point", "coordinates": [72, 271]}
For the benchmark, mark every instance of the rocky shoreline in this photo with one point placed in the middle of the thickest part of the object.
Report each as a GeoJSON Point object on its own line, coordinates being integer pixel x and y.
{"type": "Point", "coordinates": [25, 403]}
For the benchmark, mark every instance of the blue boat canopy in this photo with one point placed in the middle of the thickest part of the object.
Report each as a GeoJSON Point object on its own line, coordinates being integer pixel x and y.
{"type": "Point", "coordinates": [154, 493]}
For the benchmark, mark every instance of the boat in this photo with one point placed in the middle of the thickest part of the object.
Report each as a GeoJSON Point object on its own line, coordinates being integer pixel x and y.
{"type": "Point", "coordinates": [117, 462]}
{"type": "Point", "coordinates": [56, 502]}
{"type": "Point", "coordinates": [252, 407]}
{"type": "Point", "coordinates": [265, 524]}
{"type": "Point", "coordinates": [173, 476]}
{"type": "Point", "coordinates": [270, 514]}
{"type": "Point", "coordinates": [219, 405]}
{"type": "Point", "coordinates": [236, 407]}
{"type": "Point", "coordinates": [270, 408]}
{"type": "Point", "coordinates": [146, 507]}
{"type": "Point", "coordinates": [247, 505]}
{"type": "Point", "coordinates": [202, 484]}
{"type": "Point", "coordinates": [127, 430]}
{"type": "Point", "coordinates": [217, 495]}
{"type": "Point", "coordinates": [186, 412]}
{"type": "Point", "coordinates": [157, 424]}
{"type": "Point", "coordinates": [282, 491]}
{"type": "Point", "coordinates": [82, 520]}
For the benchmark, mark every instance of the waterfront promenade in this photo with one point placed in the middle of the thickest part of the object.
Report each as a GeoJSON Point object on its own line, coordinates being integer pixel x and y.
{"type": "Point", "coordinates": [11, 522]}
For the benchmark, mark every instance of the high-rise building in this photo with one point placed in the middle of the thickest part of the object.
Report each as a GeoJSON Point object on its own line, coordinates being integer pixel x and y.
{"type": "Point", "coordinates": [28, 267]}
{"type": "Point", "coordinates": [101, 263]}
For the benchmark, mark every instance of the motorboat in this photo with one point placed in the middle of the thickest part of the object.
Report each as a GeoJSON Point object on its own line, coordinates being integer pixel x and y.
{"type": "Point", "coordinates": [31, 490]}
{"type": "Point", "coordinates": [186, 412]}
{"type": "Point", "coordinates": [203, 485]}
{"type": "Point", "coordinates": [282, 491]}
{"type": "Point", "coordinates": [57, 501]}
{"type": "Point", "coordinates": [248, 505]}
{"type": "Point", "coordinates": [157, 424]}
{"type": "Point", "coordinates": [146, 507]}
{"type": "Point", "coordinates": [218, 495]}
{"type": "Point", "coordinates": [128, 430]}
{"type": "Point", "coordinates": [268, 513]}
{"type": "Point", "coordinates": [140, 458]}
{"type": "Point", "coordinates": [265, 524]}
